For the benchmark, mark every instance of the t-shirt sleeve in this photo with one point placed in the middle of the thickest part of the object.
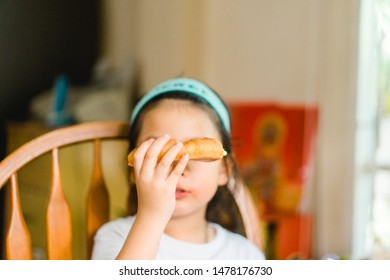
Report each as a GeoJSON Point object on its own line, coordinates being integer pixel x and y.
{"type": "Point", "coordinates": [254, 253]}
{"type": "Point", "coordinates": [236, 246]}
{"type": "Point", "coordinates": [248, 251]}
{"type": "Point", "coordinates": [109, 240]}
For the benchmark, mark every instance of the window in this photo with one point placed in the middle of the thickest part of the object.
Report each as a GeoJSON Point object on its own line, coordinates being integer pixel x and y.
{"type": "Point", "coordinates": [372, 164]}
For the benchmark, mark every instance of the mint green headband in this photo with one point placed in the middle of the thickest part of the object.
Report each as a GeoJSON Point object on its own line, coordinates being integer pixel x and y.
{"type": "Point", "coordinates": [190, 86]}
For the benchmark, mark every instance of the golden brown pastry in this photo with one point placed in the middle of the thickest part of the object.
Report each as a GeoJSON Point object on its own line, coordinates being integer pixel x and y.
{"type": "Point", "coordinates": [202, 149]}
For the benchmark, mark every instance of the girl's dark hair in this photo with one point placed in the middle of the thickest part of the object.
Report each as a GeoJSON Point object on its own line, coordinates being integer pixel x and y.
{"type": "Point", "coordinates": [222, 209]}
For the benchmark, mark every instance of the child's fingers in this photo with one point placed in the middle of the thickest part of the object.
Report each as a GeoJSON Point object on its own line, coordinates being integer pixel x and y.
{"type": "Point", "coordinates": [165, 164]}
{"type": "Point", "coordinates": [139, 154]}
{"type": "Point", "coordinates": [178, 169]}
{"type": "Point", "coordinates": [151, 155]}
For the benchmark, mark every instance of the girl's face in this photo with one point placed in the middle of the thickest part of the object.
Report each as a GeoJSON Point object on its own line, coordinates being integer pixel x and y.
{"type": "Point", "coordinates": [183, 120]}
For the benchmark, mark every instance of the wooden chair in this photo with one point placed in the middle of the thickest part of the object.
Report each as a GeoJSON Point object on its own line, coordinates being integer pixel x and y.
{"type": "Point", "coordinates": [58, 214]}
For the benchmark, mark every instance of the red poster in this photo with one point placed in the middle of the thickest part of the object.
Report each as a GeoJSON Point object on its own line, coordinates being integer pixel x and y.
{"type": "Point", "coordinates": [274, 146]}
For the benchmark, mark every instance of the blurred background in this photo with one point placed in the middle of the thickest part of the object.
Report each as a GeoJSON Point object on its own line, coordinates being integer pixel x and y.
{"type": "Point", "coordinates": [324, 62]}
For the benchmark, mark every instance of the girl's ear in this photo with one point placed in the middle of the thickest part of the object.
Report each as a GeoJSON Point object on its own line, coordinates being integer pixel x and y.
{"type": "Point", "coordinates": [223, 177]}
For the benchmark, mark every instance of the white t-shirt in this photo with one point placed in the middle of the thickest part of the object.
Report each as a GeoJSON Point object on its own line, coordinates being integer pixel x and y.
{"type": "Point", "coordinates": [110, 237]}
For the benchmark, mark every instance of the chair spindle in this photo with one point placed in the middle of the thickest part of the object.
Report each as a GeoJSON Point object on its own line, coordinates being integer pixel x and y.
{"type": "Point", "coordinates": [58, 218]}
{"type": "Point", "coordinates": [18, 239]}
{"type": "Point", "coordinates": [97, 199]}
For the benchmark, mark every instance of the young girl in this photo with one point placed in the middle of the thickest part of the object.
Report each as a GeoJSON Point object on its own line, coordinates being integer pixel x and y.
{"type": "Point", "coordinates": [179, 209]}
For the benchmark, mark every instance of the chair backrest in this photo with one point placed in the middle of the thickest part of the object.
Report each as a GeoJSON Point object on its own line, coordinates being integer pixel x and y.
{"type": "Point", "coordinates": [58, 214]}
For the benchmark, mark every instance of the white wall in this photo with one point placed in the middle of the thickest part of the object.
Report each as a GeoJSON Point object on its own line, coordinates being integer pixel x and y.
{"type": "Point", "coordinates": [336, 90]}
{"type": "Point", "coordinates": [296, 51]}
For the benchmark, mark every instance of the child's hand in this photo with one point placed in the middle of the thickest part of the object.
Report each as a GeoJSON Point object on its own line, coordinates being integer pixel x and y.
{"type": "Point", "coordinates": [156, 181]}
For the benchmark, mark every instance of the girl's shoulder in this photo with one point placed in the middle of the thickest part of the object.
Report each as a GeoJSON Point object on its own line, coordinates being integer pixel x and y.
{"type": "Point", "coordinates": [109, 238]}
{"type": "Point", "coordinates": [118, 225]}
{"type": "Point", "coordinates": [234, 242]}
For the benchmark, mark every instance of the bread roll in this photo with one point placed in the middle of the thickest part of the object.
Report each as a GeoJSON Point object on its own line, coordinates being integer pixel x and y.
{"type": "Point", "coordinates": [202, 149]}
